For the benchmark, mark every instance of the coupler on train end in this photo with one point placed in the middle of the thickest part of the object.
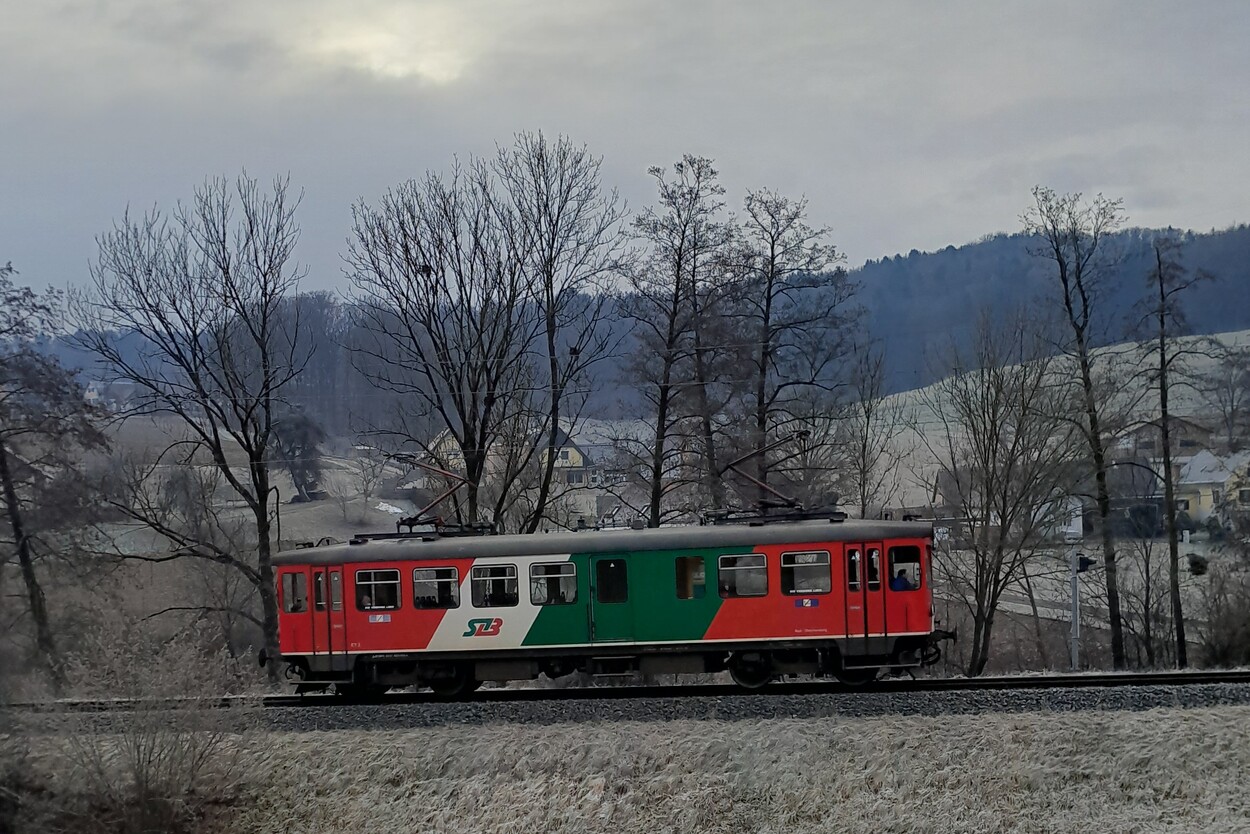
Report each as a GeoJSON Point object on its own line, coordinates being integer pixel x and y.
{"type": "Point", "coordinates": [933, 651]}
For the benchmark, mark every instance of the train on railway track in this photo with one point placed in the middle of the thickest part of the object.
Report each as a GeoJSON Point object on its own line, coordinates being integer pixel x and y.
{"type": "Point", "coordinates": [762, 597]}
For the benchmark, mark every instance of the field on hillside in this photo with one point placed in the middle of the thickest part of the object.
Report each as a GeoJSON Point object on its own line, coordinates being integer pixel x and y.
{"type": "Point", "coordinates": [1164, 770]}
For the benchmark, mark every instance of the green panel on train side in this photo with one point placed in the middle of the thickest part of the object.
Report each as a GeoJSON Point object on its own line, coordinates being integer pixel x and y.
{"type": "Point", "coordinates": [558, 625]}
{"type": "Point", "coordinates": [660, 615]}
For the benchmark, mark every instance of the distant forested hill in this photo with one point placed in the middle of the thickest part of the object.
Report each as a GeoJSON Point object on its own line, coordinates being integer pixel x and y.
{"type": "Point", "coordinates": [916, 306]}
{"type": "Point", "coordinates": [918, 303]}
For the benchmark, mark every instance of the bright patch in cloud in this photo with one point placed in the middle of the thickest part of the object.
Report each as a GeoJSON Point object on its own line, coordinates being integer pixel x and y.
{"type": "Point", "coordinates": [431, 44]}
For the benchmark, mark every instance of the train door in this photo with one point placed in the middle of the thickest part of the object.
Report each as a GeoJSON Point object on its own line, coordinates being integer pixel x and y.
{"type": "Point", "coordinates": [856, 617]}
{"type": "Point", "coordinates": [329, 622]}
{"type": "Point", "coordinates": [875, 584]}
{"type": "Point", "coordinates": [611, 618]}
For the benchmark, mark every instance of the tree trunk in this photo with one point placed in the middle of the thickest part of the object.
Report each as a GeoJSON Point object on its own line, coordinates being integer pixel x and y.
{"type": "Point", "coordinates": [715, 488]}
{"type": "Point", "coordinates": [982, 629]}
{"type": "Point", "coordinates": [553, 368]}
{"type": "Point", "coordinates": [268, 593]}
{"type": "Point", "coordinates": [1165, 429]}
{"type": "Point", "coordinates": [658, 450]}
{"type": "Point", "coordinates": [1043, 654]}
{"type": "Point", "coordinates": [34, 592]}
{"type": "Point", "coordinates": [1103, 498]}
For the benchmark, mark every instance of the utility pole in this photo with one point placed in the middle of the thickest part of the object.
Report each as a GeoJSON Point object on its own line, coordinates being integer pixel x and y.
{"type": "Point", "coordinates": [1075, 642]}
{"type": "Point", "coordinates": [1078, 564]}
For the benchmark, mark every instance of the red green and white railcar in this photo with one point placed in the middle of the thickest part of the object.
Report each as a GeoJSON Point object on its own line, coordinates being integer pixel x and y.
{"type": "Point", "coordinates": [830, 597]}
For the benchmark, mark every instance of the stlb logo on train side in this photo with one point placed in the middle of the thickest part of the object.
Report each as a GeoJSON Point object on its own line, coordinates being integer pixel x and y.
{"type": "Point", "coordinates": [486, 627]}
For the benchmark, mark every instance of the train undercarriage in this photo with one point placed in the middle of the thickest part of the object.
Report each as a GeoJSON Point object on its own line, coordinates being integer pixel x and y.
{"type": "Point", "coordinates": [851, 661]}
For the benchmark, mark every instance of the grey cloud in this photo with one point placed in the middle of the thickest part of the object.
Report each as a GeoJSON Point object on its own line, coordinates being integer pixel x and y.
{"type": "Point", "coordinates": [907, 124]}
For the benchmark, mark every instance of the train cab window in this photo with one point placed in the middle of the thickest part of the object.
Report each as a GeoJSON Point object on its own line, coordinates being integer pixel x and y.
{"type": "Point", "coordinates": [336, 591]}
{"type": "Point", "coordinates": [691, 577]}
{"type": "Point", "coordinates": [294, 593]}
{"type": "Point", "coordinates": [874, 569]}
{"type": "Point", "coordinates": [319, 590]}
{"type": "Point", "coordinates": [805, 573]}
{"type": "Point", "coordinates": [377, 590]}
{"type": "Point", "coordinates": [743, 576]}
{"type": "Point", "coordinates": [435, 588]}
{"type": "Point", "coordinates": [554, 584]}
{"type": "Point", "coordinates": [495, 586]}
{"type": "Point", "coordinates": [904, 568]}
{"type": "Point", "coordinates": [611, 581]}
{"type": "Point", "coordinates": [852, 569]}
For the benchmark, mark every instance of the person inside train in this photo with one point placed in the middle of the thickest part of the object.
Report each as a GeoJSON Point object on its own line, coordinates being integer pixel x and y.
{"type": "Point", "coordinates": [900, 582]}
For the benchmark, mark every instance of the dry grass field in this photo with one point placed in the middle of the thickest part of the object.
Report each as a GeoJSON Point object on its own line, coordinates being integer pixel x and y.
{"type": "Point", "coordinates": [1166, 770]}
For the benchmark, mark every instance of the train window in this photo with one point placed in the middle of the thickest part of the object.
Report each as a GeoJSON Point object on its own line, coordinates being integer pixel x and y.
{"type": "Point", "coordinates": [319, 590]}
{"type": "Point", "coordinates": [874, 569]}
{"type": "Point", "coordinates": [336, 591]}
{"type": "Point", "coordinates": [554, 584]}
{"type": "Point", "coordinates": [611, 581]}
{"type": "Point", "coordinates": [743, 576]}
{"type": "Point", "coordinates": [852, 569]}
{"type": "Point", "coordinates": [294, 593]}
{"type": "Point", "coordinates": [495, 586]}
{"type": "Point", "coordinates": [691, 577]}
{"type": "Point", "coordinates": [805, 573]}
{"type": "Point", "coordinates": [904, 568]}
{"type": "Point", "coordinates": [377, 590]}
{"type": "Point", "coordinates": [435, 588]}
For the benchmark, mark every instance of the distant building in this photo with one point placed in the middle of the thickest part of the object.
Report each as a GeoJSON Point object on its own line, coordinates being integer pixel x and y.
{"type": "Point", "coordinates": [1208, 483]}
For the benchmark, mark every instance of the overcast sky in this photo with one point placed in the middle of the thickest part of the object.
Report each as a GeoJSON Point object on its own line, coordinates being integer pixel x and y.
{"type": "Point", "coordinates": [906, 124]}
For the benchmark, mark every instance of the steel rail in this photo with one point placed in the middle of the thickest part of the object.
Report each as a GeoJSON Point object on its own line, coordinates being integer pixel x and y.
{"type": "Point", "coordinates": [821, 687]}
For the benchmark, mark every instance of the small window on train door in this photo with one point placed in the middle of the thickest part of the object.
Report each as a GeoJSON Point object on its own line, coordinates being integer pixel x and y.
{"type": "Point", "coordinates": [874, 569]}
{"type": "Point", "coordinates": [495, 586]}
{"type": "Point", "coordinates": [743, 576]}
{"type": "Point", "coordinates": [805, 574]}
{"type": "Point", "coordinates": [691, 577]}
{"type": "Point", "coordinates": [377, 590]}
{"type": "Point", "coordinates": [553, 584]}
{"type": "Point", "coordinates": [852, 569]}
{"type": "Point", "coordinates": [905, 568]}
{"type": "Point", "coordinates": [319, 590]}
{"type": "Point", "coordinates": [435, 588]}
{"type": "Point", "coordinates": [294, 593]}
{"type": "Point", "coordinates": [336, 591]}
{"type": "Point", "coordinates": [611, 581]}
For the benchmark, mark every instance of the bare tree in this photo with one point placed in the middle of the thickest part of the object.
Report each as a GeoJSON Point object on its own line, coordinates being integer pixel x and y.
{"type": "Point", "coordinates": [1073, 235]}
{"type": "Point", "coordinates": [45, 427]}
{"type": "Point", "coordinates": [207, 291]}
{"type": "Point", "coordinates": [1168, 281]}
{"type": "Point", "coordinates": [575, 241]}
{"type": "Point", "coordinates": [1006, 461]}
{"type": "Point", "coordinates": [795, 299]}
{"type": "Point", "coordinates": [1225, 387]}
{"type": "Point", "coordinates": [682, 235]}
{"type": "Point", "coordinates": [441, 277]}
{"type": "Point", "coordinates": [871, 429]}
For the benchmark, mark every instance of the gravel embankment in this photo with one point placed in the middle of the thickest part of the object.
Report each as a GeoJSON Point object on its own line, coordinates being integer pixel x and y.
{"type": "Point", "coordinates": [563, 709]}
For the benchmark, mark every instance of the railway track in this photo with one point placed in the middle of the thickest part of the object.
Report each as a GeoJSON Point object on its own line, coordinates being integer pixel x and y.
{"type": "Point", "coordinates": [895, 686]}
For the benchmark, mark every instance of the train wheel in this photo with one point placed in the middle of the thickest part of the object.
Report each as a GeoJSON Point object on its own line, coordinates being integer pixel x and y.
{"type": "Point", "coordinates": [857, 677]}
{"type": "Point", "coordinates": [460, 683]}
{"type": "Point", "coordinates": [750, 674]}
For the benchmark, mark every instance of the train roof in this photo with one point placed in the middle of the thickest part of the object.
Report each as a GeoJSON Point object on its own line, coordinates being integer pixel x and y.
{"type": "Point", "coordinates": [624, 541]}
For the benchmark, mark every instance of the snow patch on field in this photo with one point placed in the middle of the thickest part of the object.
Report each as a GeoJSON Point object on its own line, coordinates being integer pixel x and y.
{"type": "Point", "coordinates": [388, 508]}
